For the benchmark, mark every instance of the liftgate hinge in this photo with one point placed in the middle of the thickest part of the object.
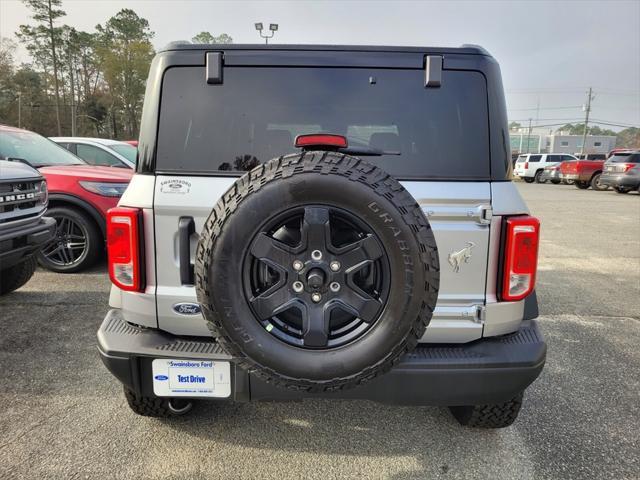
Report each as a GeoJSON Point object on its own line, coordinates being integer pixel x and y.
{"type": "Point", "coordinates": [432, 71]}
{"type": "Point", "coordinates": [486, 214]}
{"type": "Point", "coordinates": [214, 67]}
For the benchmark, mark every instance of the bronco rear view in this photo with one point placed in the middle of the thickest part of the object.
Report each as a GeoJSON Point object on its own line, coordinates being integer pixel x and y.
{"type": "Point", "coordinates": [335, 222]}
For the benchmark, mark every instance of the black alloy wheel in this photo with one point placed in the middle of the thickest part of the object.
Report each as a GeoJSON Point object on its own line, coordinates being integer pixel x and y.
{"type": "Point", "coordinates": [334, 289]}
{"type": "Point", "coordinates": [75, 244]}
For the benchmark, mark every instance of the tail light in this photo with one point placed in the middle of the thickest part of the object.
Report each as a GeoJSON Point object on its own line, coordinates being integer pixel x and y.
{"type": "Point", "coordinates": [627, 167]}
{"type": "Point", "coordinates": [123, 248]}
{"type": "Point", "coordinates": [520, 257]}
{"type": "Point", "coordinates": [526, 165]}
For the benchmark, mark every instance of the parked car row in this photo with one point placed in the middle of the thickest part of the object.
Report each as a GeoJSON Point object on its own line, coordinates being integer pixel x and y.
{"type": "Point", "coordinates": [78, 195]}
{"type": "Point", "coordinates": [620, 171]}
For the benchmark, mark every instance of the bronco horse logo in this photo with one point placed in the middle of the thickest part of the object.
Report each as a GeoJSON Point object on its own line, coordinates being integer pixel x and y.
{"type": "Point", "coordinates": [456, 258]}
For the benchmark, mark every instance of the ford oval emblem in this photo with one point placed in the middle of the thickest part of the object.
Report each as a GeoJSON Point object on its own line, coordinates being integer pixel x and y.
{"type": "Point", "coordinates": [187, 308]}
{"type": "Point", "coordinates": [161, 377]}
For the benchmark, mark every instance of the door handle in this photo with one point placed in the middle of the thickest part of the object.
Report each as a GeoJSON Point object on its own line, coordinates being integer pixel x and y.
{"type": "Point", "coordinates": [186, 228]}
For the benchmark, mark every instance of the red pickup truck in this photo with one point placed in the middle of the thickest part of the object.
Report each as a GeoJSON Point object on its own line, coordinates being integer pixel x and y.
{"type": "Point", "coordinates": [584, 173]}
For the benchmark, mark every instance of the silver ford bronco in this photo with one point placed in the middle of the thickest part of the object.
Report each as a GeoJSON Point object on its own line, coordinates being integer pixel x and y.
{"type": "Point", "coordinates": [324, 221]}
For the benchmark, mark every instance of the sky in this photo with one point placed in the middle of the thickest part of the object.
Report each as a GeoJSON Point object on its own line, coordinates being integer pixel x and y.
{"type": "Point", "coordinates": [550, 52]}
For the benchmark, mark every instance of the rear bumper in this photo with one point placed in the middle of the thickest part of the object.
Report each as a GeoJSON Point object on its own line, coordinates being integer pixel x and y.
{"type": "Point", "coordinates": [551, 176]}
{"type": "Point", "coordinates": [18, 243]}
{"type": "Point", "coordinates": [489, 370]}
{"type": "Point", "coordinates": [569, 176]}
{"type": "Point", "coordinates": [620, 180]}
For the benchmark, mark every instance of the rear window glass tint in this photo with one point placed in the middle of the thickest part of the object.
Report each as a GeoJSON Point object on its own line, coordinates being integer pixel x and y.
{"type": "Point", "coordinates": [624, 158]}
{"type": "Point", "coordinates": [535, 158]}
{"type": "Point", "coordinates": [256, 114]}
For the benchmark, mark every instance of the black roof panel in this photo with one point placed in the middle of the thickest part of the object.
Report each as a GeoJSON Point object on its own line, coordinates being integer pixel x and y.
{"type": "Point", "coordinates": [464, 49]}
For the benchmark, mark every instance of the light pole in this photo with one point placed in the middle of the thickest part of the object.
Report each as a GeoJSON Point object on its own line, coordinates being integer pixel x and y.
{"type": "Point", "coordinates": [273, 28]}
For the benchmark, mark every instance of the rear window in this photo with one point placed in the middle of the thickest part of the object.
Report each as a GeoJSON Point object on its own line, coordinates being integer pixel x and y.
{"type": "Point", "coordinates": [625, 158]}
{"type": "Point", "coordinates": [256, 114]}
{"type": "Point", "coordinates": [535, 158]}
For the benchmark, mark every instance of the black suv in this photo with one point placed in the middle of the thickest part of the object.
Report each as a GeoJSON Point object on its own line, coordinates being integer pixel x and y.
{"type": "Point", "coordinates": [23, 229]}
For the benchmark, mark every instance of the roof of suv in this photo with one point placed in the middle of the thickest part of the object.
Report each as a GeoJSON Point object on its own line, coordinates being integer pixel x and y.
{"type": "Point", "coordinates": [463, 49]}
{"type": "Point", "coordinates": [101, 141]}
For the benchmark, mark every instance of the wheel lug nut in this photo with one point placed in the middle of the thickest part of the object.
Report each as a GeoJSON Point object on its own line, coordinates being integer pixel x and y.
{"type": "Point", "coordinates": [334, 286]}
{"type": "Point", "coordinates": [316, 255]}
{"type": "Point", "coordinates": [297, 265]}
{"type": "Point", "coordinates": [335, 266]}
{"type": "Point", "coordinates": [297, 286]}
{"type": "Point", "coordinates": [316, 297]}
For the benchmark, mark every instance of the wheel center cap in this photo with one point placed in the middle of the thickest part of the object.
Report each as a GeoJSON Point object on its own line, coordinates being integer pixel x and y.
{"type": "Point", "coordinates": [315, 278]}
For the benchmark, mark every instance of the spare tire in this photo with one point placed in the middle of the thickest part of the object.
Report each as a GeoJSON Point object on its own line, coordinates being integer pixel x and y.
{"type": "Point", "coordinates": [317, 271]}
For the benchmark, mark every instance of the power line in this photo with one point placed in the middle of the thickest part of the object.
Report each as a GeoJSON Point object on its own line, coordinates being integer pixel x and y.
{"type": "Point", "coordinates": [545, 108]}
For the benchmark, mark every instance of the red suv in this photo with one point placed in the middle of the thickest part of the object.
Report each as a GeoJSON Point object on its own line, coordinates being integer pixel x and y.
{"type": "Point", "coordinates": [79, 197]}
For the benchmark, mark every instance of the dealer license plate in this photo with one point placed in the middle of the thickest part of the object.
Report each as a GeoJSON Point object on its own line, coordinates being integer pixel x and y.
{"type": "Point", "coordinates": [191, 378]}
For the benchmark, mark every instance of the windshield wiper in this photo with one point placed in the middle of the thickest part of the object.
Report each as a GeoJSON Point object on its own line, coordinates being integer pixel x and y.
{"type": "Point", "coordinates": [366, 151]}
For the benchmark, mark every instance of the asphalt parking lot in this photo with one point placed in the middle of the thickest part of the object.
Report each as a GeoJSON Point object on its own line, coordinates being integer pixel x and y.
{"type": "Point", "coordinates": [65, 416]}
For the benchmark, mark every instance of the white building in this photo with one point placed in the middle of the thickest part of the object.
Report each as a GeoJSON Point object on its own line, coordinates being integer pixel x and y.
{"type": "Point", "coordinates": [539, 142]}
{"type": "Point", "coordinates": [573, 143]}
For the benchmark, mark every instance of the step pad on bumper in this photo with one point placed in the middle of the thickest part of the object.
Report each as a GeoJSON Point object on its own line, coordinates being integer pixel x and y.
{"type": "Point", "coordinates": [117, 337]}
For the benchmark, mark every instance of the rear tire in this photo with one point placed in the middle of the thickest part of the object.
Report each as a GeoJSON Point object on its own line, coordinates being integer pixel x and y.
{"type": "Point", "coordinates": [622, 189]}
{"type": "Point", "coordinates": [15, 276]}
{"type": "Point", "coordinates": [157, 406]}
{"type": "Point", "coordinates": [581, 185]}
{"type": "Point", "coordinates": [595, 183]}
{"type": "Point", "coordinates": [528, 179]}
{"type": "Point", "coordinates": [555, 182]}
{"type": "Point", "coordinates": [538, 177]}
{"type": "Point", "coordinates": [56, 257]}
{"type": "Point", "coordinates": [498, 415]}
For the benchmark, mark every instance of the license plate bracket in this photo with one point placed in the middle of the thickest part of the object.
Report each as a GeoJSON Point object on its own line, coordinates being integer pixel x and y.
{"type": "Point", "coordinates": [191, 378]}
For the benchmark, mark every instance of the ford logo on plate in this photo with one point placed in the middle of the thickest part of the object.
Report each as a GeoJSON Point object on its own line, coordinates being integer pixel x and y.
{"type": "Point", "coordinates": [187, 308]}
{"type": "Point", "coordinates": [161, 377]}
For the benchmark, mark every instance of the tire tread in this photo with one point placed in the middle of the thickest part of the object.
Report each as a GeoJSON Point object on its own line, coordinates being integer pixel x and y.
{"type": "Point", "coordinates": [17, 275]}
{"type": "Point", "coordinates": [498, 415]}
{"type": "Point", "coordinates": [147, 406]}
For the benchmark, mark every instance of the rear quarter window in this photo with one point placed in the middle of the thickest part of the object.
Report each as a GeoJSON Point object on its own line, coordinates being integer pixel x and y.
{"type": "Point", "coordinates": [255, 115]}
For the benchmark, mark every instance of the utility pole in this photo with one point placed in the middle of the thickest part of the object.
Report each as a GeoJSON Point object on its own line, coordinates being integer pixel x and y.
{"type": "Point", "coordinates": [73, 90]}
{"type": "Point", "coordinates": [73, 103]}
{"type": "Point", "coordinates": [19, 109]}
{"type": "Point", "coordinates": [529, 135]}
{"type": "Point", "coordinates": [586, 120]}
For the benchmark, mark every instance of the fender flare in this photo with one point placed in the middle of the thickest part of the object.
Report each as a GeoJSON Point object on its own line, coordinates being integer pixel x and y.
{"type": "Point", "coordinates": [84, 205]}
